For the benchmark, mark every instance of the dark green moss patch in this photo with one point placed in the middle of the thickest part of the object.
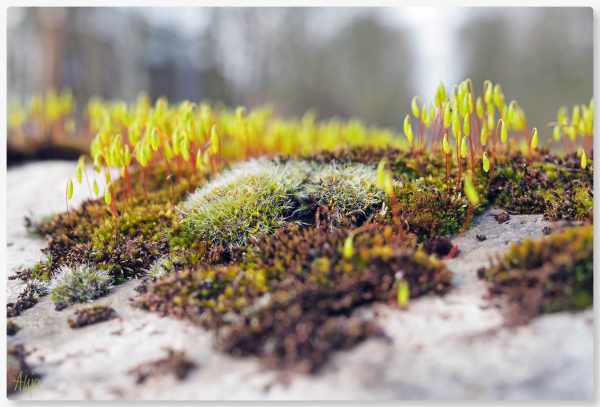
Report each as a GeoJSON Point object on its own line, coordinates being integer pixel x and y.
{"type": "Point", "coordinates": [289, 297]}
{"type": "Point", "coordinates": [549, 275]}
{"type": "Point", "coordinates": [91, 315]}
{"type": "Point", "coordinates": [11, 328]}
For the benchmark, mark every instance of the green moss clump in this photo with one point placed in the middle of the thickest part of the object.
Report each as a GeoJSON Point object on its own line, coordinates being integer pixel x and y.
{"type": "Point", "coordinates": [251, 199]}
{"type": "Point", "coordinates": [80, 283]}
{"type": "Point", "coordinates": [287, 296]}
{"type": "Point", "coordinates": [91, 315]}
{"type": "Point", "coordinates": [164, 266]}
{"type": "Point", "coordinates": [558, 188]}
{"type": "Point", "coordinates": [348, 190]}
{"type": "Point", "coordinates": [11, 327]}
{"type": "Point", "coordinates": [549, 275]}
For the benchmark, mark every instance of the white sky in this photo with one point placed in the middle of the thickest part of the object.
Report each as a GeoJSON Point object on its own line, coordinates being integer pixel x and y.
{"type": "Point", "coordinates": [433, 30]}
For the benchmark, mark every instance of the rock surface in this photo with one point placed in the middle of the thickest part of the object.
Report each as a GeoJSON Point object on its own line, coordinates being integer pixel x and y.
{"type": "Point", "coordinates": [454, 347]}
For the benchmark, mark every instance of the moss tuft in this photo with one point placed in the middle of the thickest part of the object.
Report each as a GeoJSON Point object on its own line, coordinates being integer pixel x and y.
{"type": "Point", "coordinates": [80, 283]}
{"type": "Point", "coordinates": [553, 274]}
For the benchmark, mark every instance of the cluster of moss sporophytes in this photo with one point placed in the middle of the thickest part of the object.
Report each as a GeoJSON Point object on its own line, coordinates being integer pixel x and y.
{"type": "Point", "coordinates": [271, 225]}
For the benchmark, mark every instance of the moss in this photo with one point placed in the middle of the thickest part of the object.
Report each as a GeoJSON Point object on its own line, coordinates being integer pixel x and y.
{"type": "Point", "coordinates": [11, 328]}
{"type": "Point", "coordinates": [548, 275]}
{"type": "Point", "coordinates": [80, 283]}
{"type": "Point", "coordinates": [297, 280]}
{"type": "Point", "coordinates": [91, 315]}
{"type": "Point", "coordinates": [258, 246]}
{"type": "Point", "coordinates": [250, 199]}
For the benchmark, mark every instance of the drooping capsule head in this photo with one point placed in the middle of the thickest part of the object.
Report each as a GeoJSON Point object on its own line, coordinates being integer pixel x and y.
{"type": "Point", "coordinates": [576, 114]}
{"type": "Point", "coordinates": [511, 111]}
{"type": "Point", "coordinates": [154, 139]}
{"type": "Point", "coordinates": [446, 144]}
{"type": "Point", "coordinates": [414, 105]}
{"type": "Point", "coordinates": [107, 194]}
{"type": "Point", "coordinates": [486, 162]}
{"type": "Point", "coordinates": [488, 92]}
{"type": "Point", "coordinates": [95, 186]}
{"type": "Point", "coordinates": [534, 138]}
{"type": "Point", "coordinates": [503, 131]}
{"type": "Point", "coordinates": [406, 124]}
{"type": "Point", "coordinates": [484, 134]}
{"type": "Point", "coordinates": [467, 125]}
{"type": "Point", "coordinates": [79, 170]}
{"type": "Point", "coordinates": [479, 108]}
{"type": "Point", "coordinates": [471, 192]}
{"type": "Point", "coordinates": [463, 147]}
{"type": "Point", "coordinates": [70, 189]}
{"type": "Point", "coordinates": [583, 159]}
{"type": "Point", "coordinates": [556, 132]}
{"type": "Point", "coordinates": [447, 115]}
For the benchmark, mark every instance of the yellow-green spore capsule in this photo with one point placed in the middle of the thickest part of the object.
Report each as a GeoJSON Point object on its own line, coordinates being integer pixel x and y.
{"type": "Point", "coordinates": [486, 162]}
{"type": "Point", "coordinates": [414, 105]}
{"type": "Point", "coordinates": [447, 115]}
{"type": "Point", "coordinates": [583, 160]}
{"type": "Point", "coordinates": [349, 246]}
{"type": "Point", "coordinates": [556, 132]}
{"type": "Point", "coordinates": [107, 195]}
{"type": "Point", "coordinates": [403, 293]}
{"type": "Point", "coordinates": [70, 189]}
{"type": "Point", "coordinates": [96, 189]}
{"type": "Point", "coordinates": [484, 134]}
{"type": "Point", "coordinates": [388, 185]}
{"type": "Point", "coordinates": [446, 144]}
{"type": "Point", "coordinates": [488, 92]}
{"type": "Point", "coordinates": [479, 107]}
{"type": "Point", "coordinates": [381, 172]}
{"type": "Point", "coordinates": [467, 125]}
{"type": "Point", "coordinates": [214, 138]}
{"type": "Point", "coordinates": [455, 123]}
{"type": "Point", "coordinates": [503, 132]}
{"type": "Point", "coordinates": [534, 138]}
{"type": "Point", "coordinates": [185, 148]}
{"type": "Point", "coordinates": [79, 175]}
{"type": "Point", "coordinates": [406, 124]}
{"type": "Point", "coordinates": [409, 134]}
{"type": "Point", "coordinates": [154, 139]}
{"type": "Point", "coordinates": [463, 147]}
{"type": "Point", "coordinates": [471, 192]}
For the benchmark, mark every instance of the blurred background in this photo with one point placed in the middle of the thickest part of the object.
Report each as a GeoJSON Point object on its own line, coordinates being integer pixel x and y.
{"type": "Point", "coordinates": [360, 62]}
